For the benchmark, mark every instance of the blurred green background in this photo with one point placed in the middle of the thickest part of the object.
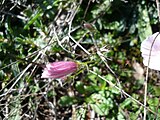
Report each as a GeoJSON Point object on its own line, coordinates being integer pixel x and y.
{"type": "Point", "coordinates": [104, 36]}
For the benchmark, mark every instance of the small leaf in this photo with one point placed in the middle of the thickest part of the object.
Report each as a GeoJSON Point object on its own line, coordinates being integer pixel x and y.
{"type": "Point", "coordinates": [153, 101]}
{"type": "Point", "coordinates": [91, 88]}
{"type": "Point", "coordinates": [101, 109]}
{"type": "Point", "coordinates": [126, 103]}
{"type": "Point", "coordinates": [110, 78]}
{"type": "Point", "coordinates": [80, 87]}
{"type": "Point", "coordinates": [33, 19]}
{"type": "Point", "coordinates": [120, 116]}
{"type": "Point", "coordinates": [157, 90]}
{"type": "Point", "coordinates": [99, 103]}
{"type": "Point", "coordinates": [67, 101]}
{"type": "Point", "coordinates": [114, 90]}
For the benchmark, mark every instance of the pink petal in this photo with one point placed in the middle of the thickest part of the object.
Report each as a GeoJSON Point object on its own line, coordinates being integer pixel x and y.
{"type": "Point", "coordinates": [154, 62]}
{"type": "Point", "coordinates": [155, 53]}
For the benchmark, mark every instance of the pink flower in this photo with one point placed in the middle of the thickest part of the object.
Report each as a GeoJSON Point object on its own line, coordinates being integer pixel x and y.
{"type": "Point", "coordinates": [59, 69]}
{"type": "Point", "coordinates": [155, 51]}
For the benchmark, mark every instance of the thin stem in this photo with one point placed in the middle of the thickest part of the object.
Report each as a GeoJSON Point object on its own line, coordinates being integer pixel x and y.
{"type": "Point", "coordinates": [146, 79]}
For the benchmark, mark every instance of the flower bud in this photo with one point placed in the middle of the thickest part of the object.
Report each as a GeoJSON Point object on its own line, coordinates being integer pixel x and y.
{"type": "Point", "coordinates": [59, 69]}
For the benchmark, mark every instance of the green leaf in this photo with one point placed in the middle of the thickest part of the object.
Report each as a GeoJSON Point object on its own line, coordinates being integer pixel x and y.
{"type": "Point", "coordinates": [110, 77]}
{"type": "Point", "coordinates": [91, 88]}
{"type": "Point", "coordinates": [114, 90]}
{"type": "Point", "coordinates": [135, 115]}
{"type": "Point", "coordinates": [80, 87]}
{"type": "Point", "coordinates": [34, 17]}
{"type": "Point", "coordinates": [101, 109]}
{"type": "Point", "coordinates": [125, 103]}
{"type": "Point", "coordinates": [67, 101]}
{"type": "Point", "coordinates": [120, 116]}
{"type": "Point", "coordinates": [99, 103]}
{"type": "Point", "coordinates": [153, 102]}
{"type": "Point", "coordinates": [157, 90]}
{"type": "Point", "coordinates": [144, 27]}
{"type": "Point", "coordinates": [92, 77]}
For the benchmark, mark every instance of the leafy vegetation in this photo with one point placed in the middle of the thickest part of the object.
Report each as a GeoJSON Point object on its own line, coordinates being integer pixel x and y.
{"type": "Point", "coordinates": [103, 36]}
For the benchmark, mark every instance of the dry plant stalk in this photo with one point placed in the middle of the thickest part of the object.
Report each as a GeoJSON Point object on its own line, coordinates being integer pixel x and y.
{"type": "Point", "coordinates": [146, 79]}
